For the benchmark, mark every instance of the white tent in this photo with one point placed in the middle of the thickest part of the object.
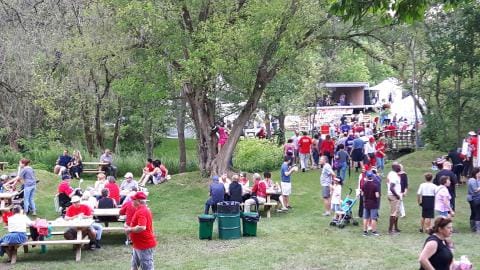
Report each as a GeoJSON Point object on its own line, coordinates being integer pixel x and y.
{"type": "Point", "coordinates": [387, 88]}
{"type": "Point", "coordinates": [405, 108]}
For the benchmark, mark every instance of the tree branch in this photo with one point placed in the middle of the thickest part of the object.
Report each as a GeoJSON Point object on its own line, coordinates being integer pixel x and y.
{"type": "Point", "coordinates": [17, 14]}
{"type": "Point", "coordinates": [187, 20]}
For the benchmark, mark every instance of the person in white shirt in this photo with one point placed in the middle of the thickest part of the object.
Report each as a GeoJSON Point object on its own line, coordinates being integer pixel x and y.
{"type": "Point", "coordinates": [226, 183]}
{"type": "Point", "coordinates": [394, 197]}
{"type": "Point", "coordinates": [426, 200]}
{"type": "Point", "coordinates": [336, 196]}
{"type": "Point", "coordinates": [17, 231]}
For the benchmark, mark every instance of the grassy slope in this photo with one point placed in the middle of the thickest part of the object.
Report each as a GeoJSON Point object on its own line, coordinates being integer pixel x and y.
{"type": "Point", "coordinates": [300, 239]}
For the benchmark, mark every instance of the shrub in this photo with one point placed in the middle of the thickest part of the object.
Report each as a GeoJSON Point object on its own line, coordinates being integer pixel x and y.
{"type": "Point", "coordinates": [254, 155]}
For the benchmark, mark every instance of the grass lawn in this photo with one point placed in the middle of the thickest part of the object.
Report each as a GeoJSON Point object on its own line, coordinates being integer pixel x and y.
{"type": "Point", "coordinates": [301, 239]}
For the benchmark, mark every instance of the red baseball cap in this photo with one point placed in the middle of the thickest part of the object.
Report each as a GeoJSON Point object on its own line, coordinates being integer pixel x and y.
{"type": "Point", "coordinates": [139, 196]}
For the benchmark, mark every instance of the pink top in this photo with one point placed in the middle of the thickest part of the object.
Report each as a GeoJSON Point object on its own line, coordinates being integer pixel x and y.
{"type": "Point", "coordinates": [440, 196]}
{"type": "Point", "coordinates": [222, 136]}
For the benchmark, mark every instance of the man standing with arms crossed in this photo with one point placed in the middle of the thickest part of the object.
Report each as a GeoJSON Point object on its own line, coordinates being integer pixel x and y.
{"type": "Point", "coordinates": [325, 181]}
{"type": "Point", "coordinates": [141, 234]}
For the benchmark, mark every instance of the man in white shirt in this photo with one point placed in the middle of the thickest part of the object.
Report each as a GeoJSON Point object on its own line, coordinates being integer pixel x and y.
{"type": "Point", "coordinates": [394, 197]}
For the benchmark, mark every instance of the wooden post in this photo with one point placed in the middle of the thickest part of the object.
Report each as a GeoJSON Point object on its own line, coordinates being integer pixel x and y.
{"type": "Point", "coordinates": [78, 248]}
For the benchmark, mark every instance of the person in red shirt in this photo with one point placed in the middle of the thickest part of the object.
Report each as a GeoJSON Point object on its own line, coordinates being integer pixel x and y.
{"type": "Point", "coordinates": [65, 192]}
{"type": "Point", "coordinates": [304, 149]}
{"type": "Point", "coordinates": [260, 190]}
{"type": "Point", "coordinates": [147, 172]}
{"type": "Point", "coordinates": [380, 150]}
{"type": "Point", "coordinates": [128, 210]}
{"type": "Point", "coordinates": [113, 189]}
{"type": "Point", "coordinates": [327, 148]}
{"type": "Point", "coordinates": [82, 211]}
{"type": "Point", "coordinates": [141, 234]}
{"type": "Point", "coordinates": [473, 140]}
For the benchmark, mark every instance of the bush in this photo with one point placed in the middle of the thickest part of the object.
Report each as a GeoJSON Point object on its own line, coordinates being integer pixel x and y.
{"type": "Point", "coordinates": [254, 155]}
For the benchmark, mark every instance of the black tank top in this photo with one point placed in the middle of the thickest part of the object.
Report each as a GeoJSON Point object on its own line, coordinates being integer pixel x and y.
{"type": "Point", "coordinates": [443, 257]}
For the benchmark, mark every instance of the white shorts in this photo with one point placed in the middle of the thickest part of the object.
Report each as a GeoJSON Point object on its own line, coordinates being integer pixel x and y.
{"type": "Point", "coordinates": [286, 188]}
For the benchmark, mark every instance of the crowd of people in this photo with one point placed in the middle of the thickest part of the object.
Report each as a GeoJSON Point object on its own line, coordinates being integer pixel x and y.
{"type": "Point", "coordinates": [76, 203]}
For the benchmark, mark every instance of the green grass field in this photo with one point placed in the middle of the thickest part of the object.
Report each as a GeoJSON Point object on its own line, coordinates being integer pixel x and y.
{"type": "Point", "coordinates": [300, 239]}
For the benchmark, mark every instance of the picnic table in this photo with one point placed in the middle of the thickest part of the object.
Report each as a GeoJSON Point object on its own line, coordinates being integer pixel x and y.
{"type": "Point", "coordinates": [109, 212]}
{"type": "Point", "coordinates": [6, 200]}
{"type": "Point", "coordinates": [94, 167]}
{"type": "Point", "coordinates": [269, 204]}
{"type": "Point", "coordinates": [78, 224]}
{"type": "Point", "coordinates": [3, 164]}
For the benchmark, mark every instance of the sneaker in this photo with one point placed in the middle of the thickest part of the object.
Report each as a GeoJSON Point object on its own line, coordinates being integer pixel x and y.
{"type": "Point", "coordinates": [34, 214]}
{"type": "Point", "coordinates": [365, 233]}
{"type": "Point", "coordinates": [326, 214]}
{"type": "Point", "coordinates": [375, 233]}
{"type": "Point", "coordinates": [303, 170]}
{"type": "Point", "coordinates": [289, 207]}
{"type": "Point", "coordinates": [420, 230]}
{"type": "Point", "coordinates": [282, 210]}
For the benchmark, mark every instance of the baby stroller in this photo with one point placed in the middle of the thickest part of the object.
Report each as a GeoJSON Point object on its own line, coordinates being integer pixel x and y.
{"type": "Point", "coordinates": [345, 213]}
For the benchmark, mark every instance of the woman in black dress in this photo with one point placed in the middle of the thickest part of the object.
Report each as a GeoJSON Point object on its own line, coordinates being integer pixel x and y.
{"type": "Point", "coordinates": [436, 253]}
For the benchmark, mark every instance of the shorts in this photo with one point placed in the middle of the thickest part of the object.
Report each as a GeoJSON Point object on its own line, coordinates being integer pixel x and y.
{"type": "Point", "coordinates": [357, 155]}
{"type": "Point", "coordinates": [370, 213]}
{"type": "Point", "coordinates": [428, 205]}
{"type": "Point", "coordinates": [394, 205]}
{"type": "Point", "coordinates": [336, 207]}
{"type": "Point", "coordinates": [427, 212]}
{"type": "Point", "coordinates": [142, 259]}
{"type": "Point", "coordinates": [326, 192]}
{"type": "Point", "coordinates": [286, 188]}
{"type": "Point", "coordinates": [442, 213]}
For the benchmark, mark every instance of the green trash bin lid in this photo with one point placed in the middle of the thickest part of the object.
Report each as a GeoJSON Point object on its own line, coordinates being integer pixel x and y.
{"type": "Point", "coordinates": [205, 217]}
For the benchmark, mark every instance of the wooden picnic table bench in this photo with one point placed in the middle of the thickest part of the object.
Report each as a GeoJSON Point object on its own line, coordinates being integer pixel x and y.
{"type": "Point", "coordinates": [6, 199]}
{"type": "Point", "coordinates": [78, 225]}
{"type": "Point", "coordinates": [109, 212]}
{"type": "Point", "coordinates": [3, 165]}
{"type": "Point", "coordinates": [93, 167]}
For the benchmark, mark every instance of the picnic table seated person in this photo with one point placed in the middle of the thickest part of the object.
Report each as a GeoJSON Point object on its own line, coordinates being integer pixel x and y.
{"type": "Point", "coordinates": [217, 193]}
{"type": "Point", "coordinates": [113, 189]}
{"type": "Point", "coordinates": [127, 185]}
{"type": "Point", "coordinates": [106, 203]}
{"type": "Point", "coordinates": [62, 163]}
{"type": "Point", "coordinates": [82, 211]}
{"type": "Point", "coordinates": [17, 231]}
{"type": "Point", "coordinates": [259, 193]}
{"type": "Point", "coordinates": [235, 189]}
{"type": "Point", "coordinates": [88, 199]}
{"type": "Point", "coordinates": [65, 192]}
{"type": "Point", "coordinates": [107, 157]}
{"type": "Point", "coordinates": [99, 184]}
{"type": "Point", "coordinates": [245, 183]}
{"type": "Point", "coordinates": [274, 189]}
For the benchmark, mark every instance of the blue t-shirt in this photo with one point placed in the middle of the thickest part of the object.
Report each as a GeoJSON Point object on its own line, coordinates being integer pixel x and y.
{"type": "Point", "coordinates": [283, 170]}
{"type": "Point", "coordinates": [358, 143]}
{"type": "Point", "coordinates": [345, 128]}
{"type": "Point", "coordinates": [64, 160]}
{"type": "Point", "coordinates": [28, 176]}
{"type": "Point", "coordinates": [217, 192]}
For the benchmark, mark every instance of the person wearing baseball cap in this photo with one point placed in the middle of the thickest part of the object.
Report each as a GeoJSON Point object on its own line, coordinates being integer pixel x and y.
{"type": "Point", "coordinates": [217, 193]}
{"type": "Point", "coordinates": [141, 234]}
{"type": "Point", "coordinates": [127, 185]}
{"type": "Point", "coordinates": [81, 211]}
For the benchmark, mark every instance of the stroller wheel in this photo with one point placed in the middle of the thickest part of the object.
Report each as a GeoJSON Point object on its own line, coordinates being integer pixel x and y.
{"type": "Point", "coordinates": [341, 226]}
{"type": "Point", "coordinates": [355, 223]}
{"type": "Point", "coordinates": [333, 223]}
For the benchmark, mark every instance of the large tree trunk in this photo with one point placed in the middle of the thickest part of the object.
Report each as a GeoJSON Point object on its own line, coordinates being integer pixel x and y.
{"type": "Point", "coordinates": [181, 108]}
{"type": "Point", "coordinates": [98, 127]}
{"type": "Point", "coordinates": [267, 124]}
{"type": "Point", "coordinates": [148, 134]}
{"type": "Point", "coordinates": [87, 132]}
{"type": "Point", "coordinates": [281, 126]}
{"type": "Point", "coordinates": [118, 121]}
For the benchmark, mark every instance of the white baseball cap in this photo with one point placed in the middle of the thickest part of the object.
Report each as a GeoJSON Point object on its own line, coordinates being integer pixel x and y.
{"type": "Point", "coordinates": [129, 175]}
{"type": "Point", "coordinates": [75, 199]}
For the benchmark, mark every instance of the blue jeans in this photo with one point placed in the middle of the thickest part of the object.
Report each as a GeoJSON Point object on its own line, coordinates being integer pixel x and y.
{"type": "Point", "coordinates": [29, 198]}
{"type": "Point", "coordinates": [342, 171]}
{"type": "Point", "coordinates": [98, 230]}
{"type": "Point", "coordinates": [380, 164]}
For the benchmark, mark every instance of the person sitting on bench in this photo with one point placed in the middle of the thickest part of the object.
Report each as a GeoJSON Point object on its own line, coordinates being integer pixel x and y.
{"type": "Point", "coordinates": [17, 231]}
{"type": "Point", "coordinates": [78, 210]}
{"type": "Point", "coordinates": [107, 157]}
{"type": "Point", "coordinates": [217, 192]}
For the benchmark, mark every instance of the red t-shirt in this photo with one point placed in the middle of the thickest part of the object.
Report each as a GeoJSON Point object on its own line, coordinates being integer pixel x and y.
{"type": "Point", "coordinates": [114, 191]}
{"type": "Point", "coordinates": [81, 209]}
{"type": "Point", "coordinates": [65, 187]}
{"type": "Point", "coordinates": [380, 147]}
{"type": "Point", "coordinates": [150, 167]}
{"type": "Point", "coordinates": [304, 145]}
{"type": "Point", "coordinates": [327, 146]}
{"type": "Point", "coordinates": [128, 210]}
{"type": "Point", "coordinates": [146, 238]}
{"type": "Point", "coordinates": [474, 144]}
{"type": "Point", "coordinates": [260, 189]}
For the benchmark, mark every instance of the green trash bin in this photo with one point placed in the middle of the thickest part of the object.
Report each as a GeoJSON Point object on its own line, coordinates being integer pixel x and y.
{"type": "Point", "coordinates": [228, 226]}
{"type": "Point", "coordinates": [249, 223]}
{"type": "Point", "coordinates": [228, 214]}
{"type": "Point", "coordinates": [206, 226]}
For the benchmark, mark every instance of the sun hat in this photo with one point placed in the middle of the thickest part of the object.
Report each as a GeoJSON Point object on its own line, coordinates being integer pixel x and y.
{"type": "Point", "coordinates": [129, 175]}
{"type": "Point", "coordinates": [75, 199]}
